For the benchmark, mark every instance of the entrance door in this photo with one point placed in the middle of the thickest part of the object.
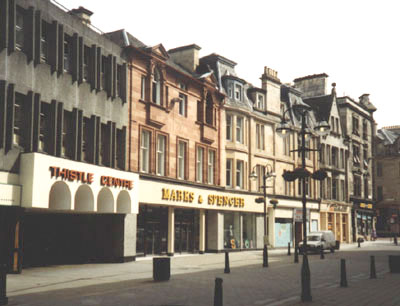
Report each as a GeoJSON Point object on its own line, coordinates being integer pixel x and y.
{"type": "Point", "coordinates": [184, 237]}
{"type": "Point", "coordinates": [152, 237]}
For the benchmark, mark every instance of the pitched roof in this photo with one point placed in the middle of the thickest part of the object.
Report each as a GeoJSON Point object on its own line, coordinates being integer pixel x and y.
{"type": "Point", "coordinates": [322, 106]}
{"type": "Point", "coordinates": [123, 39]}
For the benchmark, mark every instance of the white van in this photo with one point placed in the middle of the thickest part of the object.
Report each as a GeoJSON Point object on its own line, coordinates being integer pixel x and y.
{"type": "Point", "coordinates": [321, 239]}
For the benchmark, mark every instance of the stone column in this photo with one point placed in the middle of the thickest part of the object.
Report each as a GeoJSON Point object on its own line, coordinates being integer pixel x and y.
{"type": "Point", "coordinates": [171, 231]}
{"type": "Point", "coordinates": [202, 231]}
{"type": "Point", "coordinates": [130, 237]}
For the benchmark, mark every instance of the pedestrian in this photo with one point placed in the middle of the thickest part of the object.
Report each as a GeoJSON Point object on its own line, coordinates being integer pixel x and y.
{"type": "Point", "coordinates": [373, 235]}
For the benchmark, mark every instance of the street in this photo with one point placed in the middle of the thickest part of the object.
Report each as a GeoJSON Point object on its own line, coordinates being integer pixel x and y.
{"type": "Point", "coordinates": [193, 278]}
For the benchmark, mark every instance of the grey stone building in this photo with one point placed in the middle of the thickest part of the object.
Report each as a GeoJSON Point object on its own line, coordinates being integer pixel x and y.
{"type": "Point", "coordinates": [65, 197]}
{"type": "Point", "coordinates": [387, 180]}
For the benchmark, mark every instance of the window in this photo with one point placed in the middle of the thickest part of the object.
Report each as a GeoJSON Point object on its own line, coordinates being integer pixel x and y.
{"type": "Point", "coordinates": [199, 164]}
{"type": "Point", "coordinates": [239, 129]}
{"type": "Point", "coordinates": [199, 111]}
{"type": "Point", "coordinates": [307, 145]}
{"type": "Point", "coordinates": [142, 87]}
{"type": "Point", "coordinates": [337, 125]}
{"type": "Point", "coordinates": [19, 30]}
{"type": "Point", "coordinates": [286, 146]}
{"type": "Point", "coordinates": [322, 190]}
{"type": "Point", "coordinates": [156, 96]}
{"type": "Point", "coordinates": [288, 188]}
{"type": "Point", "coordinates": [308, 187]}
{"type": "Point", "coordinates": [67, 53]}
{"type": "Point", "coordinates": [335, 187]}
{"type": "Point", "coordinates": [333, 129]}
{"type": "Point", "coordinates": [341, 158]}
{"type": "Point", "coordinates": [260, 137]}
{"type": "Point", "coordinates": [85, 140]}
{"type": "Point", "coordinates": [238, 92]}
{"type": "Point", "coordinates": [329, 188]}
{"type": "Point", "coordinates": [335, 157]}
{"type": "Point", "coordinates": [357, 186]}
{"type": "Point", "coordinates": [103, 72]}
{"type": "Point", "coordinates": [328, 155]}
{"type": "Point", "coordinates": [18, 138]}
{"type": "Point", "coordinates": [365, 156]}
{"type": "Point", "coordinates": [181, 160]}
{"type": "Point", "coordinates": [209, 111]}
{"type": "Point", "coordinates": [260, 177]}
{"type": "Point", "coordinates": [105, 145]}
{"type": "Point", "coordinates": [145, 151]}
{"type": "Point", "coordinates": [229, 163]}
{"type": "Point", "coordinates": [229, 127]}
{"type": "Point", "coordinates": [67, 135]}
{"type": "Point", "coordinates": [239, 174]}
{"type": "Point", "coordinates": [380, 193]}
{"type": "Point", "coordinates": [182, 86]}
{"type": "Point", "coordinates": [365, 130]}
{"type": "Point", "coordinates": [121, 149]}
{"type": "Point", "coordinates": [119, 88]}
{"type": "Point", "coordinates": [355, 126]}
{"type": "Point", "coordinates": [366, 188]}
{"type": "Point", "coordinates": [44, 42]}
{"type": "Point", "coordinates": [211, 166]}
{"type": "Point", "coordinates": [260, 102]}
{"type": "Point", "coordinates": [182, 104]}
{"type": "Point", "coordinates": [86, 61]}
{"type": "Point", "coordinates": [230, 91]}
{"type": "Point", "coordinates": [343, 190]}
{"type": "Point", "coordinates": [44, 127]}
{"type": "Point", "coordinates": [356, 154]}
{"type": "Point", "coordinates": [379, 169]}
{"type": "Point", "coordinates": [161, 141]}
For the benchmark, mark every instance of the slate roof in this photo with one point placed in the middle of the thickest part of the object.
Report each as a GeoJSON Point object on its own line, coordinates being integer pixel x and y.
{"type": "Point", "coordinates": [118, 38]}
{"type": "Point", "coordinates": [388, 137]}
{"type": "Point", "coordinates": [322, 106]}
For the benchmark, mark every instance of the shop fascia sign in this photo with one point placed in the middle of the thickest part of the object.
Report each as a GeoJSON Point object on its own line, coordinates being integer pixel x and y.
{"type": "Point", "coordinates": [337, 208]}
{"type": "Point", "coordinates": [298, 214]}
{"type": "Point", "coordinates": [190, 197]}
{"type": "Point", "coordinates": [88, 178]}
{"type": "Point", "coordinates": [364, 205]}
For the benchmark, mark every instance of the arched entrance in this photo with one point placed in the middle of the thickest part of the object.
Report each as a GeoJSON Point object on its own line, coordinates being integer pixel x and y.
{"type": "Point", "coordinates": [60, 196]}
{"type": "Point", "coordinates": [105, 201]}
{"type": "Point", "coordinates": [124, 203]}
{"type": "Point", "coordinates": [84, 199]}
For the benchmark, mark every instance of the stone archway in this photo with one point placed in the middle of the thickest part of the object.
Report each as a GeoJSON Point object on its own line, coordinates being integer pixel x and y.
{"type": "Point", "coordinates": [60, 196]}
{"type": "Point", "coordinates": [105, 201]}
{"type": "Point", "coordinates": [124, 203]}
{"type": "Point", "coordinates": [84, 199]}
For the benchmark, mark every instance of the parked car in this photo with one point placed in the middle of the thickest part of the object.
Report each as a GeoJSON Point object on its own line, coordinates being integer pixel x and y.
{"type": "Point", "coordinates": [321, 239]}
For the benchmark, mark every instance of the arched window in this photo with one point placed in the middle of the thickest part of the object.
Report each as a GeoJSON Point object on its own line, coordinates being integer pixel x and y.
{"type": "Point", "coordinates": [156, 95]}
{"type": "Point", "coordinates": [209, 111]}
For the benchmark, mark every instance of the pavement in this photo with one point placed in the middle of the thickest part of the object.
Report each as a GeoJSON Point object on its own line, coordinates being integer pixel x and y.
{"type": "Point", "coordinates": [193, 279]}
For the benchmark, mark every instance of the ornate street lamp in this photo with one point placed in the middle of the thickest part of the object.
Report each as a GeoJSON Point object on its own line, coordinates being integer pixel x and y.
{"type": "Point", "coordinates": [322, 129]}
{"type": "Point", "coordinates": [266, 175]}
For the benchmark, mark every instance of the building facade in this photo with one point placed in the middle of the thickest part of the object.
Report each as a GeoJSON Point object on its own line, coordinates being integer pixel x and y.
{"type": "Point", "coordinates": [387, 180]}
{"type": "Point", "coordinates": [358, 127]}
{"type": "Point", "coordinates": [66, 197]}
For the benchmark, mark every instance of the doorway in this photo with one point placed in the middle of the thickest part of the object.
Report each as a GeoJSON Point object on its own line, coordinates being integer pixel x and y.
{"type": "Point", "coordinates": [186, 231]}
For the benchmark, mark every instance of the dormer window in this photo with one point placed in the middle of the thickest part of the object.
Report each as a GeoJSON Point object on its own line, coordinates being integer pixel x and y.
{"type": "Point", "coordinates": [238, 92]}
{"type": "Point", "coordinates": [260, 102]}
{"type": "Point", "coordinates": [156, 87]}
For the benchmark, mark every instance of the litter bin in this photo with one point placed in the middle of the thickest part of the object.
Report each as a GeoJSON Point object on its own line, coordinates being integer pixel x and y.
{"type": "Point", "coordinates": [337, 246]}
{"type": "Point", "coordinates": [394, 263]}
{"type": "Point", "coordinates": [161, 268]}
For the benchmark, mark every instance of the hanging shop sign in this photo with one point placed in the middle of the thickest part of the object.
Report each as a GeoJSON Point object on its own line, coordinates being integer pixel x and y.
{"type": "Point", "coordinates": [88, 178]}
{"type": "Point", "coordinates": [190, 197]}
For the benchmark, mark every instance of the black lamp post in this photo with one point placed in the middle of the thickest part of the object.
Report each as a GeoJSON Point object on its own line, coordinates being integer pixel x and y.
{"type": "Point", "coordinates": [268, 173]}
{"type": "Point", "coordinates": [322, 128]}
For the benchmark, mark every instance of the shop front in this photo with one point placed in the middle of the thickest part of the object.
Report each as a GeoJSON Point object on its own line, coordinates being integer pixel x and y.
{"type": "Point", "coordinates": [363, 218]}
{"type": "Point", "coordinates": [73, 212]}
{"type": "Point", "coordinates": [336, 218]}
{"type": "Point", "coordinates": [175, 218]}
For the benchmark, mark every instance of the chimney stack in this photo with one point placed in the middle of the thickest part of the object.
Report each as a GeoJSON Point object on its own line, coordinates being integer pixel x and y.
{"type": "Point", "coordinates": [83, 14]}
{"type": "Point", "coordinates": [186, 56]}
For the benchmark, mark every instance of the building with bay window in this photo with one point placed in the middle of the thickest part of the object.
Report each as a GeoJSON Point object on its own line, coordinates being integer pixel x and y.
{"type": "Point", "coordinates": [66, 194]}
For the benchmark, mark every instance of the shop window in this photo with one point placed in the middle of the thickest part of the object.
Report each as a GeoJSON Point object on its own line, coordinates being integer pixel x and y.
{"type": "Point", "coordinates": [239, 174]}
{"type": "Point", "coordinates": [357, 186]}
{"type": "Point", "coordinates": [211, 167]}
{"type": "Point", "coordinates": [209, 111]}
{"type": "Point", "coordinates": [44, 42]}
{"type": "Point", "coordinates": [249, 231]}
{"type": "Point", "coordinates": [199, 164]}
{"type": "Point", "coordinates": [232, 230]}
{"type": "Point", "coordinates": [182, 104]}
{"type": "Point", "coordinates": [240, 129]}
{"type": "Point", "coordinates": [67, 53]}
{"type": "Point", "coordinates": [19, 29]}
{"type": "Point", "coordinates": [260, 102]}
{"type": "Point", "coordinates": [156, 94]}
{"type": "Point", "coordinates": [229, 173]}
{"type": "Point", "coordinates": [145, 141]}
{"type": "Point", "coordinates": [67, 135]}
{"type": "Point", "coordinates": [182, 155]}
{"type": "Point", "coordinates": [86, 61]}
{"type": "Point", "coordinates": [161, 149]}
{"type": "Point", "coordinates": [229, 127]}
{"type": "Point", "coordinates": [19, 117]}
{"type": "Point", "coordinates": [142, 87]}
{"type": "Point", "coordinates": [44, 127]}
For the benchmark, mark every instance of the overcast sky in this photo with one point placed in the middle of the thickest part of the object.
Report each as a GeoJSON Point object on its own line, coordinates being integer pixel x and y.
{"type": "Point", "coordinates": [357, 43]}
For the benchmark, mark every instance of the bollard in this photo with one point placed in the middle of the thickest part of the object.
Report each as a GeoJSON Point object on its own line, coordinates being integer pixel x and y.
{"type": "Point", "coordinates": [227, 269]}
{"type": "Point", "coordinates": [322, 252]}
{"type": "Point", "coordinates": [296, 253]}
{"type": "Point", "coordinates": [373, 271]}
{"type": "Point", "coordinates": [265, 256]}
{"type": "Point", "coordinates": [343, 277]}
{"type": "Point", "coordinates": [305, 280]}
{"type": "Point", "coordinates": [218, 292]}
{"type": "Point", "coordinates": [288, 248]}
{"type": "Point", "coordinates": [3, 284]}
{"type": "Point", "coordinates": [359, 242]}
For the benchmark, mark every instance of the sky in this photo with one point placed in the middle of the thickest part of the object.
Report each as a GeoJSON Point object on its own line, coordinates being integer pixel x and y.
{"type": "Point", "coordinates": [357, 43]}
